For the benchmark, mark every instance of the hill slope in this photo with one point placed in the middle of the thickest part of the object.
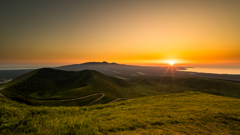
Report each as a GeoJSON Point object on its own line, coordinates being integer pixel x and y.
{"type": "Point", "coordinates": [71, 88]}
{"type": "Point", "coordinates": [185, 113]}
{"type": "Point", "coordinates": [57, 84]}
{"type": "Point", "coordinates": [167, 85]}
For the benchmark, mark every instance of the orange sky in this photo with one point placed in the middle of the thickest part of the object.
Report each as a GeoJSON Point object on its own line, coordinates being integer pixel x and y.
{"type": "Point", "coordinates": [130, 32]}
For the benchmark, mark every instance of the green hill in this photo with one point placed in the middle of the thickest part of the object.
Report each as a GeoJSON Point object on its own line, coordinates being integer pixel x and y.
{"type": "Point", "coordinates": [160, 105]}
{"type": "Point", "coordinates": [211, 86]}
{"type": "Point", "coordinates": [144, 82]}
{"type": "Point", "coordinates": [184, 113]}
{"type": "Point", "coordinates": [164, 86]}
{"type": "Point", "coordinates": [53, 85]}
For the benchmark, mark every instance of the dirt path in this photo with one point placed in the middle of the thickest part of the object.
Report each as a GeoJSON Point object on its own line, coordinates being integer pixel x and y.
{"type": "Point", "coordinates": [1, 95]}
{"type": "Point", "coordinates": [118, 100]}
{"type": "Point", "coordinates": [96, 99]}
{"type": "Point", "coordinates": [86, 97]}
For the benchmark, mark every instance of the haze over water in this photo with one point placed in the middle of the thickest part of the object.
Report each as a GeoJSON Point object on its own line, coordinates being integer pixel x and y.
{"type": "Point", "coordinates": [214, 70]}
{"type": "Point", "coordinates": [219, 70]}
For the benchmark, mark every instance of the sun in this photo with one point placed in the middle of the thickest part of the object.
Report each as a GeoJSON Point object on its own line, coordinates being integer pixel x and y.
{"type": "Point", "coordinates": [171, 62]}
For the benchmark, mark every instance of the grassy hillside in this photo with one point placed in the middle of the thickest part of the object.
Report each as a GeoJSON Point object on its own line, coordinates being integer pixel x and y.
{"type": "Point", "coordinates": [164, 86]}
{"type": "Point", "coordinates": [49, 86]}
{"type": "Point", "coordinates": [185, 113]}
{"type": "Point", "coordinates": [212, 86]}
{"type": "Point", "coordinates": [54, 85]}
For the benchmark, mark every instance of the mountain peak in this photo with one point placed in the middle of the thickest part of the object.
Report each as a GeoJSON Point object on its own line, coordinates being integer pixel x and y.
{"type": "Point", "coordinates": [104, 62]}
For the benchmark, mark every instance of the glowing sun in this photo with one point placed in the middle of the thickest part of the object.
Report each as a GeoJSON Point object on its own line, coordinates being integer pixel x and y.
{"type": "Point", "coordinates": [171, 62]}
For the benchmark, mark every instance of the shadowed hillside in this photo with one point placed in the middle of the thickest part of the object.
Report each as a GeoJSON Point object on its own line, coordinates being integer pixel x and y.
{"type": "Point", "coordinates": [51, 84]}
{"type": "Point", "coordinates": [144, 82]}
{"type": "Point", "coordinates": [176, 85]}
{"type": "Point", "coordinates": [53, 87]}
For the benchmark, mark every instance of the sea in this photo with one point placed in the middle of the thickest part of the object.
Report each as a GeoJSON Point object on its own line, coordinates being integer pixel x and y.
{"type": "Point", "coordinates": [14, 68]}
{"type": "Point", "coordinates": [233, 71]}
{"type": "Point", "coordinates": [213, 70]}
{"type": "Point", "coordinates": [19, 68]}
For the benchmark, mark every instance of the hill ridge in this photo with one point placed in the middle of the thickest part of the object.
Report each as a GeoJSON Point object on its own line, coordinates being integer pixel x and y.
{"type": "Point", "coordinates": [47, 83]}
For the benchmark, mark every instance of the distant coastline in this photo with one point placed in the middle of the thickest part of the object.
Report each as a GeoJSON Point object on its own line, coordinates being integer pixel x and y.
{"type": "Point", "coordinates": [220, 70]}
{"type": "Point", "coordinates": [17, 68]}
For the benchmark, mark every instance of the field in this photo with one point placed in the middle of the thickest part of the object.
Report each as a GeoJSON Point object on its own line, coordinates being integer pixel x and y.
{"type": "Point", "coordinates": [184, 113]}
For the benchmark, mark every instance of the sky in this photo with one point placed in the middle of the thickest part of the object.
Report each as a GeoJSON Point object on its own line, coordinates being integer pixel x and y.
{"type": "Point", "coordinates": [143, 32]}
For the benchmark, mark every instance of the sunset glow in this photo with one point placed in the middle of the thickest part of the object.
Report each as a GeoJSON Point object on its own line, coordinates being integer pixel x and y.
{"type": "Point", "coordinates": [171, 62]}
{"type": "Point", "coordinates": [120, 67]}
{"type": "Point", "coordinates": [128, 32]}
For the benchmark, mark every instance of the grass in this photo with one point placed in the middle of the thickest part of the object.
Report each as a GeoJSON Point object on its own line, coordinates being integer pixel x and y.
{"type": "Point", "coordinates": [79, 102]}
{"type": "Point", "coordinates": [212, 86]}
{"type": "Point", "coordinates": [48, 86]}
{"type": "Point", "coordinates": [155, 105]}
{"type": "Point", "coordinates": [44, 84]}
{"type": "Point", "coordinates": [169, 85]}
{"type": "Point", "coordinates": [184, 113]}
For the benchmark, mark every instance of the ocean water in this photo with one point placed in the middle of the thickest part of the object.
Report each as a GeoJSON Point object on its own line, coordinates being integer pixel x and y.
{"type": "Point", "coordinates": [234, 71]}
{"type": "Point", "coordinates": [17, 68]}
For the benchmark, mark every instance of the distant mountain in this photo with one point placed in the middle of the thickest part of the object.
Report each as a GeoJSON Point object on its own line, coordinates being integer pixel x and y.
{"type": "Point", "coordinates": [121, 70]}
{"type": "Point", "coordinates": [131, 71]}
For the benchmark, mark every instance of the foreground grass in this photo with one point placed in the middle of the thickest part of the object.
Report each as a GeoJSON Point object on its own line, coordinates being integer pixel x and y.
{"type": "Point", "coordinates": [185, 113]}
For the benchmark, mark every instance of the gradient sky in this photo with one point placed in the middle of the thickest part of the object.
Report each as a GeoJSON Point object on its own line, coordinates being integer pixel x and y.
{"type": "Point", "coordinates": [38, 32]}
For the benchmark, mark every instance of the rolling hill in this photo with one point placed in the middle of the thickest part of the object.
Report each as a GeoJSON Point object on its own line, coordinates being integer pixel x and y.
{"type": "Point", "coordinates": [169, 85]}
{"type": "Point", "coordinates": [54, 85]}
